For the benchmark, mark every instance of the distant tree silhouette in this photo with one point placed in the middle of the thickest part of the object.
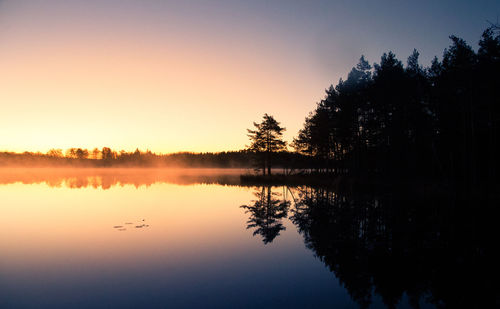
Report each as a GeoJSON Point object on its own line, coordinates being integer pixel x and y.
{"type": "Point", "coordinates": [107, 155]}
{"type": "Point", "coordinates": [266, 140]}
{"type": "Point", "coordinates": [82, 153]}
{"type": "Point", "coordinates": [71, 153]}
{"type": "Point", "coordinates": [112, 158]}
{"type": "Point", "coordinates": [95, 154]}
{"type": "Point", "coordinates": [56, 153]}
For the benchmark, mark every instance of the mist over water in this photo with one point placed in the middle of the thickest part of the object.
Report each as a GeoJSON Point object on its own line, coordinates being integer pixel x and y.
{"type": "Point", "coordinates": [105, 178]}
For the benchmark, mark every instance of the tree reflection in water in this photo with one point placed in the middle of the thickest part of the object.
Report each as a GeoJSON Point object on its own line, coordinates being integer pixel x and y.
{"type": "Point", "coordinates": [106, 178]}
{"type": "Point", "coordinates": [266, 213]}
{"type": "Point", "coordinates": [437, 250]}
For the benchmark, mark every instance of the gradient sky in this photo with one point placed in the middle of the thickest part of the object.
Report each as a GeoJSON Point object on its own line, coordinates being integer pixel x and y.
{"type": "Point", "coordinates": [193, 75]}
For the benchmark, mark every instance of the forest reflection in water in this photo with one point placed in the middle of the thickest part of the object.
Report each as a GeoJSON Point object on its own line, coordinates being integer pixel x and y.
{"type": "Point", "coordinates": [384, 248]}
{"type": "Point", "coordinates": [105, 178]}
{"type": "Point", "coordinates": [438, 251]}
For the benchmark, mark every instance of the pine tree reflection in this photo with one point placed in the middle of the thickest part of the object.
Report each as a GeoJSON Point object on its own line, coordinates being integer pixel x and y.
{"type": "Point", "coordinates": [431, 249]}
{"type": "Point", "coordinates": [266, 213]}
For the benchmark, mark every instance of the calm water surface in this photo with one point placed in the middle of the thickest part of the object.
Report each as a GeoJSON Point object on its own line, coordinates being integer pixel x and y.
{"type": "Point", "coordinates": [197, 238]}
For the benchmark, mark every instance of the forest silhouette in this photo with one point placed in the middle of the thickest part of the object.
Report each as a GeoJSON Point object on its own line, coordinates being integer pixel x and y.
{"type": "Point", "coordinates": [400, 122]}
{"type": "Point", "coordinates": [109, 158]}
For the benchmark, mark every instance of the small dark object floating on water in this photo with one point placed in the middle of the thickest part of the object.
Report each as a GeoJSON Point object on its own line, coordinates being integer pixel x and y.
{"type": "Point", "coordinates": [123, 228]}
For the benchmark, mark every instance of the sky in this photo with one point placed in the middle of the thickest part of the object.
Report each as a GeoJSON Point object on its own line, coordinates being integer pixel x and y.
{"type": "Point", "coordinates": [191, 75]}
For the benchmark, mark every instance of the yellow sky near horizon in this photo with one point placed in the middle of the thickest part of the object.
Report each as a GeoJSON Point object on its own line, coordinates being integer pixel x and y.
{"type": "Point", "coordinates": [66, 85]}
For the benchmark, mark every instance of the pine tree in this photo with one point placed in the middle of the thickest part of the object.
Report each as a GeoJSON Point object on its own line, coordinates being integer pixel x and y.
{"type": "Point", "coordinates": [266, 139]}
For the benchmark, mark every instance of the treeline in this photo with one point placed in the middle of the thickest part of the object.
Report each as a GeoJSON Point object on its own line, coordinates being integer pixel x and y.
{"type": "Point", "coordinates": [411, 121]}
{"type": "Point", "coordinates": [107, 157]}
{"type": "Point", "coordinates": [387, 120]}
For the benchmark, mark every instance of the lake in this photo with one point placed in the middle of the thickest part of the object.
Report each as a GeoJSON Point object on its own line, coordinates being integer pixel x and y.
{"type": "Point", "coordinates": [148, 238]}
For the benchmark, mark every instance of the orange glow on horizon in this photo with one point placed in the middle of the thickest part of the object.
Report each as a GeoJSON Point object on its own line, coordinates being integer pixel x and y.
{"type": "Point", "coordinates": [70, 84]}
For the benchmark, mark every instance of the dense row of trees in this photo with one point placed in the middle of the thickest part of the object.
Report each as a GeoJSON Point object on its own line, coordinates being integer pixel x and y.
{"type": "Point", "coordinates": [409, 121]}
{"type": "Point", "coordinates": [399, 121]}
{"type": "Point", "coordinates": [107, 157]}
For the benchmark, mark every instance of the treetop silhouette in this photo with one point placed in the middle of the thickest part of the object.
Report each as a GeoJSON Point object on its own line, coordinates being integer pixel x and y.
{"type": "Point", "coordinates": [266, 139]}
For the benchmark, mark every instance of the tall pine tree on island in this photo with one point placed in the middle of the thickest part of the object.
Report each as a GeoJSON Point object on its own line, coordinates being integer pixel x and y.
{"type": "Point", "coordinates": [266, 139]}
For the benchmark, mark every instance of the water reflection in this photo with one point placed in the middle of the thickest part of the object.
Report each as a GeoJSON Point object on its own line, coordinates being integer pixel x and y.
{"type": "Point", "coordinates": [371, 249]}
{"type": "Point", "coordinates": [131, 225]}
{"type": "Point", "coordinates": [105, 178]}
{"type": "Point", "coordinates": [266, 213]}
{"type": "Point", "coordinates": [433, 251]}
